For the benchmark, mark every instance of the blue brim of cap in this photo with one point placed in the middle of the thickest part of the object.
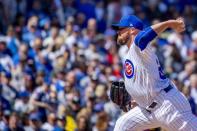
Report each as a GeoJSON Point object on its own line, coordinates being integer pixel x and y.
{"type": "Point", "coordinates": [117, 26]}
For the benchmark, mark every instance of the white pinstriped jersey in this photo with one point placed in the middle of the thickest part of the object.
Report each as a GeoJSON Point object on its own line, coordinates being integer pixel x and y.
{"type": "Point", "coordinates": [144, 77]}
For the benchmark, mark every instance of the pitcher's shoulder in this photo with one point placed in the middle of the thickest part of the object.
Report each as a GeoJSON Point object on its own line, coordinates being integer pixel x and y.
{"type": "Point", "coordinates": [144, 37]}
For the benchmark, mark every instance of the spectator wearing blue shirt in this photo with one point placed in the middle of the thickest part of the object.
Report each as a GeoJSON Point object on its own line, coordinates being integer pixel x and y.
{"type": "Point", "coordinates": [31, 31]}
{"type": "Point", "coordinates": [12, 42]}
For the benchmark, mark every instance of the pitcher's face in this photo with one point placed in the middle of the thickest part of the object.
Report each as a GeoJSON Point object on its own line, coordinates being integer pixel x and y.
{"type": "Point", "coordinates": [123, 36]}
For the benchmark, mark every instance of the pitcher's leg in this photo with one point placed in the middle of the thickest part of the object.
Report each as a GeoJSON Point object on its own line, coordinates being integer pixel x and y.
{"type": "Point", "coordinates": [178, 115]}
{"type": "Point", "coordinates": [134, 120]}
{"type": "Point", "coordinates": [184, 122]}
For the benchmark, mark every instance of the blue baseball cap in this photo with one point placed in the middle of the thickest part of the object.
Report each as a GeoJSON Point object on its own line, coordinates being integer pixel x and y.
{"type": "Point", "coordinates": [24, 94]}
{"type": "Point", "coordinates": [129, 21]}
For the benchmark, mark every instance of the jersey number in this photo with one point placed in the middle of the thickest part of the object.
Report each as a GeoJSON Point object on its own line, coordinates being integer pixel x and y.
{"type": "Point", "coordinates": [161, 73]}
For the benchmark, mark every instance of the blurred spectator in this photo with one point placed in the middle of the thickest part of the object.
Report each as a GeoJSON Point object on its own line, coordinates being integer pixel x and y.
{"type": "Point", "coordinates": [193, 84]}
{"type": "Point", "coordinates": [190, 67]}
{"type": "Point", "coordinates": [102, 123]}
{"type": "Point", "coordinates": [21, 105]}
{"type": "Point", "coordinates": [49, 41]}
{"type": "Point", "coordinates": [8, 91]}
{"type": "Point", "coordinates": [87, 8]}
{"type": "Point", "coordinates": [187, 91]}
{"type": "Point", "coordinates": [68, 27]}
{"type": "Point", "coordinates": [41, 99]}
{"type": "Point", "coordinates": [12, 41]}
{"type": "Point", "coordinates": [34, 122]}
{"type": "Point", "coordinates": [193, 46]}
{"type": "Point", "coordinates": [31, 31]}
{"type": "Point", "coordinates": [181, 41]}
{"type": "Point", "coordinates": [114, 12]}
{"type": "Point", "coordinates": [5, 55]}
{"type": "Point", "coordinates": [50, 124]}
{"type": "Point", "coordinates": [82, 124]}
{"type": "Point", "coordinates": [14, 123]}
{"type": "Point", "coordinates": [61, 122]}
{"type": "Point", "coordinates": [69, 9]}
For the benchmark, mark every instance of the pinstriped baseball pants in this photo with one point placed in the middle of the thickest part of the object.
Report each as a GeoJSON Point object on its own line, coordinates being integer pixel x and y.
{"type": "Point", "coordinates": [172, 113]}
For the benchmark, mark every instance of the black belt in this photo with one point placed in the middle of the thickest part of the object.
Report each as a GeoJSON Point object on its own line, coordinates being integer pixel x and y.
{"type": "Point", "coordinates": [153, 105]}
{"type": "Point", "coordinates": [168, 88]}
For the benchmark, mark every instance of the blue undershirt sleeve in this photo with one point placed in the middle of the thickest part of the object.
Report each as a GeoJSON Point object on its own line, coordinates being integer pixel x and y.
{"type": "Point", "coordinates": [144, 37]}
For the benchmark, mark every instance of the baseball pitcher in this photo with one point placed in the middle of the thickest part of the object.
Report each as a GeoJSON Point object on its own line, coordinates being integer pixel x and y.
{"type": "Point", "coordinates": [159, 103]}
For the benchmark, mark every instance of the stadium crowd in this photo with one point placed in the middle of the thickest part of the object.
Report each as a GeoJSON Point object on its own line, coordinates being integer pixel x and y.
{"type": "Point", "coordinates": [58, 58]}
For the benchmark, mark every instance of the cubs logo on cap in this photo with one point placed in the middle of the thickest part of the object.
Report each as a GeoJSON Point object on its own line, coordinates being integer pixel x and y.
{"type": "Point", "coordinates": [128, 68]}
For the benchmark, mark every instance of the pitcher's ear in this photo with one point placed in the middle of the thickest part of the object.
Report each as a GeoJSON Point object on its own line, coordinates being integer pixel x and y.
{"type": "Point", "coordinates": [134, 31]}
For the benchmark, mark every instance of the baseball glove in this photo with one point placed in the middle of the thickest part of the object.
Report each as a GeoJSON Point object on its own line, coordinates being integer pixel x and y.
{"type": "Point", "coordinates": [120, 96]}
